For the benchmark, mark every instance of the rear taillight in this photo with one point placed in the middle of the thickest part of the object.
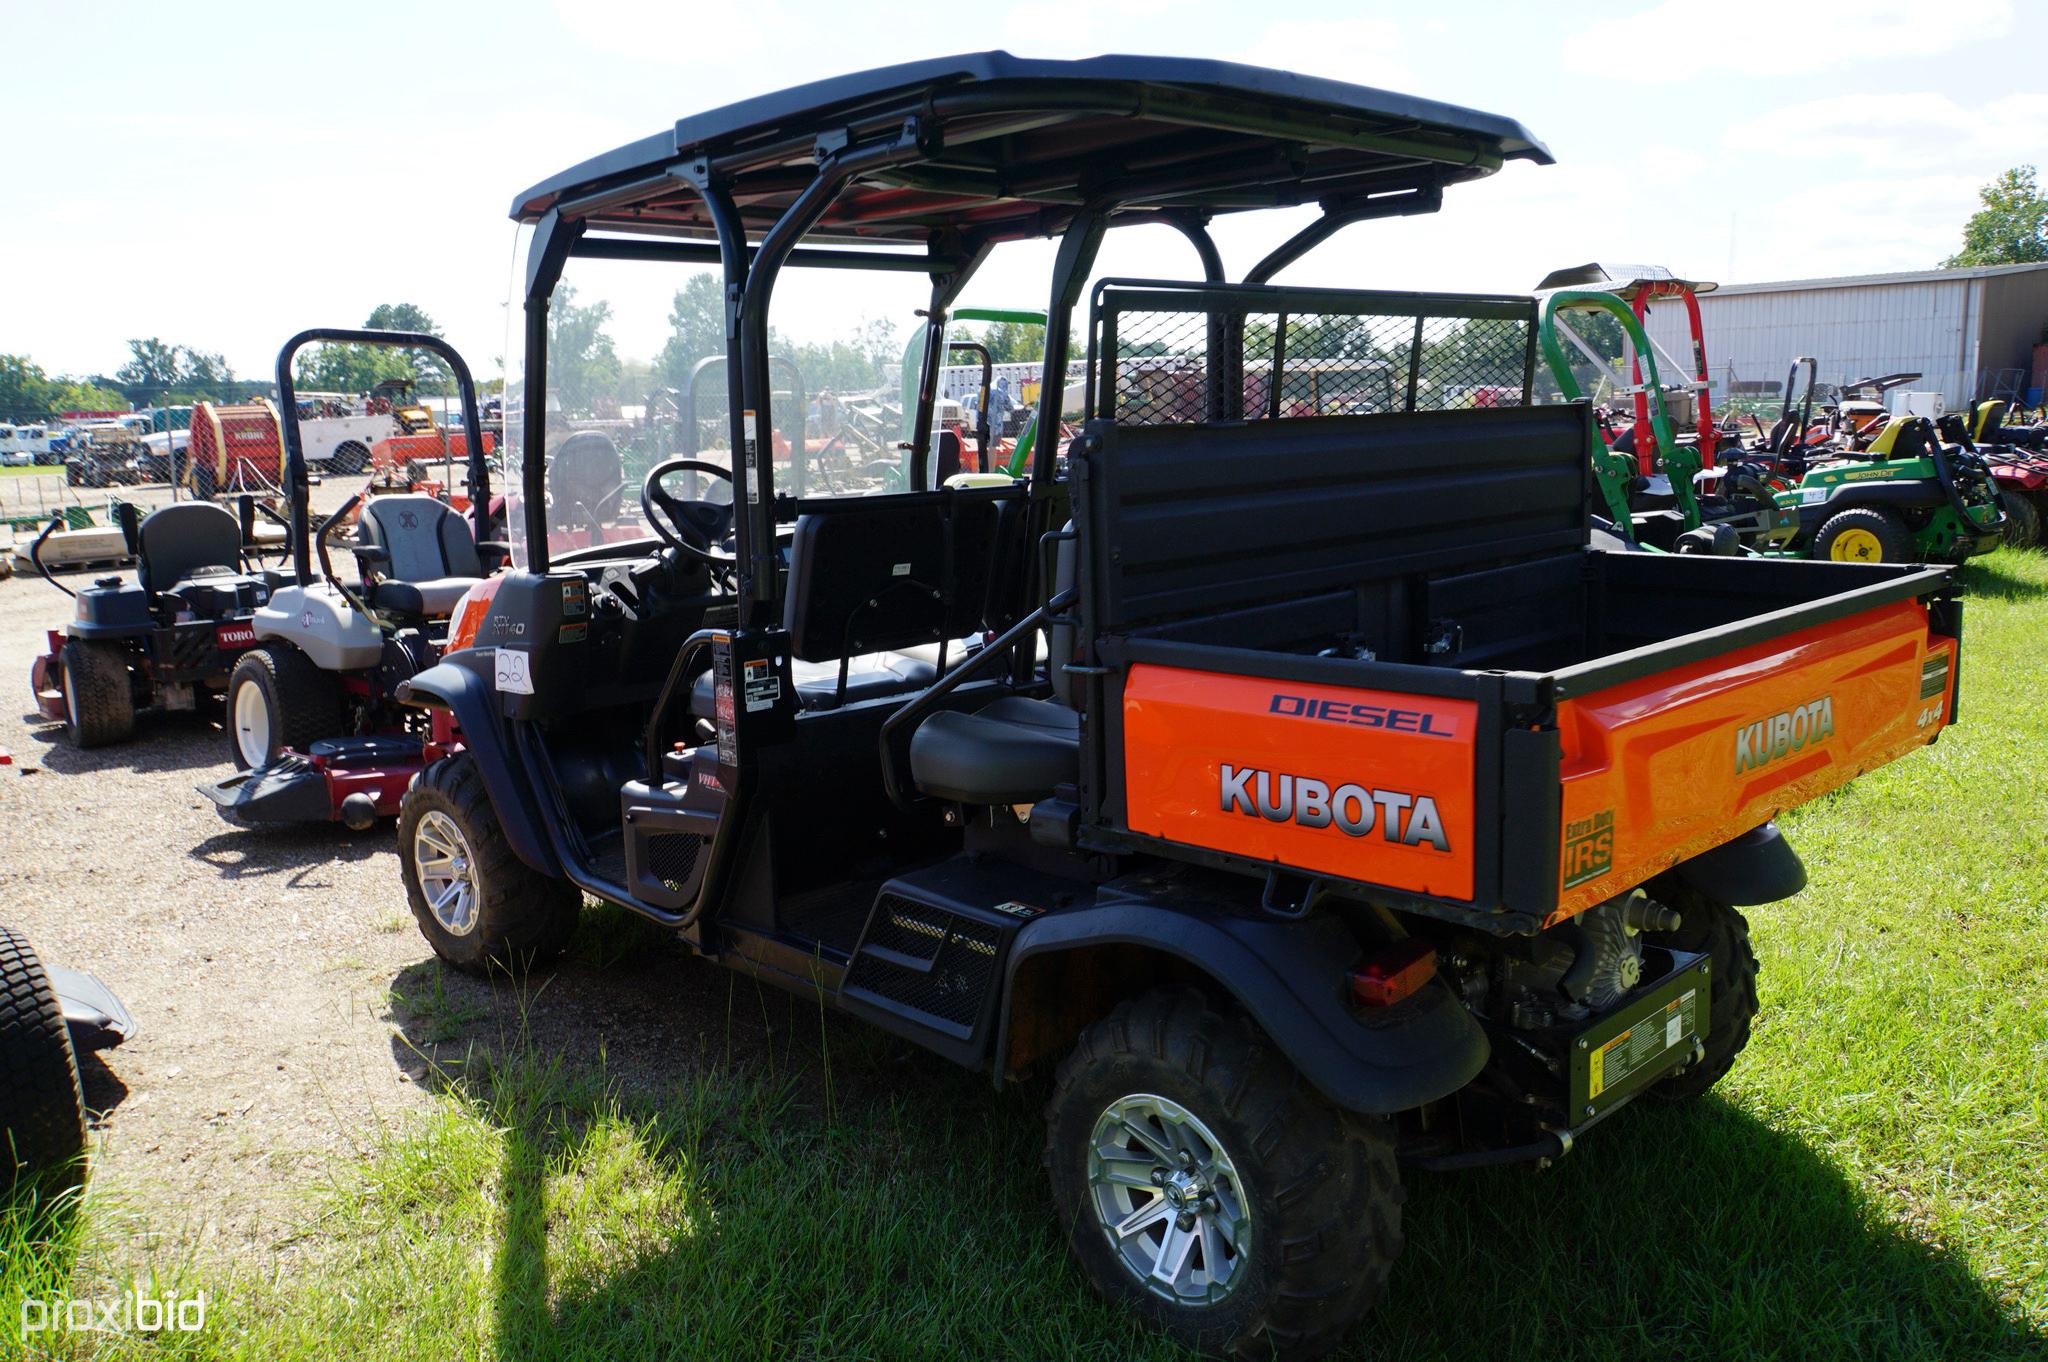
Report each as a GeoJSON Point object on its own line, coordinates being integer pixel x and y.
{"type": "Point", "coordinates": [1393, 974]}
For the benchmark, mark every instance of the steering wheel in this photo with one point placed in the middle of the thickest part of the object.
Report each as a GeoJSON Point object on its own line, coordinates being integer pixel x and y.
{"type": "Point", "coordinates": [695, 528]}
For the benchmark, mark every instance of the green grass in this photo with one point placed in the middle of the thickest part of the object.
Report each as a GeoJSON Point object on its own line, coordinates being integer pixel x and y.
{"type": "Point", "coordinates": [1869, 1182]}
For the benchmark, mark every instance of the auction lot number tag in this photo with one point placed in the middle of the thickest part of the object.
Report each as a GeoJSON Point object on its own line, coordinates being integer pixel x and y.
{"type": "Point", "coordinates": [515, 671]}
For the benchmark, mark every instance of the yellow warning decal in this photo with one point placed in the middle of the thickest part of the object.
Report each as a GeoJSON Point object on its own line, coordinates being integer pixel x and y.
{"type": "Point", "coordinates": [1596, 1078]}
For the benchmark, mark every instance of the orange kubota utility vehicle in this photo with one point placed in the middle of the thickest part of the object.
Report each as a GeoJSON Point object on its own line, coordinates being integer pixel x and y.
{"type": "Point", "coordinates": [1298, 777]}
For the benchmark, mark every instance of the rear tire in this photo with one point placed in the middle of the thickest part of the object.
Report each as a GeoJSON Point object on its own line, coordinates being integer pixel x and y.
{"type": "Point", "coordinates": [1722, 934]}
{"type": "Point", "coordinates": [1865, 534]}
{"type": "Point", "coordinates": [2022, 519]}
{"type": "Point", "coordinates": [349, 457]}
{"type": "Point", "coordinates": [1303, 1201]}
{"type": "Point", "coordinates": [99, 693]}
{"type": "Point", "coordinates": [278, 698]}
{"type": "Point", "coordinates": [42, 1109]}
{"type": "Point", "coordinates": [479, 906]}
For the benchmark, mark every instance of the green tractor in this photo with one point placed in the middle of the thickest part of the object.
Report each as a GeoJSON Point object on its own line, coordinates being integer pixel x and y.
{"type": "Point", "coordinates": [1898, 495]}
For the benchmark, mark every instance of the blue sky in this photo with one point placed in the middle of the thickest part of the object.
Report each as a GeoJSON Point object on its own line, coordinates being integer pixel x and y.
{"type": "Point", "coordinates": [224, 174]}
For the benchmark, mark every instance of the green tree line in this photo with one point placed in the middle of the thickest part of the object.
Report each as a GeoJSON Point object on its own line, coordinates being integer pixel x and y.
{"type": "Point", "coordinates": [2011, 228]}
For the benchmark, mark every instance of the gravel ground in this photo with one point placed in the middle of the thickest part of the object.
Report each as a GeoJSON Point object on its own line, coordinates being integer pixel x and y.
{"type": "Point", "coordinates": [258, 965]}
{"type": "Point", "coordinates": [284, 997]}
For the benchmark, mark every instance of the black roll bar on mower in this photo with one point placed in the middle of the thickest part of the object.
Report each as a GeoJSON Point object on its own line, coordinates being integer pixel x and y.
{"type": "Point", "coordinates": [299, 486]}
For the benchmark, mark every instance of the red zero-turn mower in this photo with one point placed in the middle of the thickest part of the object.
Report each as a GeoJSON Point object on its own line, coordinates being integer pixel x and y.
{"type": "Point", "coordinates": [313, 727]}
{"type": "Point", "coordinates": [165, 641]}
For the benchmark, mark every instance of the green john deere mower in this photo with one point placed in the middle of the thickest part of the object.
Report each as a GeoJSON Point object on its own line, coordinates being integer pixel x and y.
{"type": "Point", "coordinates": [1883, 490]}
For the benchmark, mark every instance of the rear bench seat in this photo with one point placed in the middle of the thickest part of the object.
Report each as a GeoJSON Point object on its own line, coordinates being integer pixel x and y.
{"type": "Point", "coordinates": [1014, 750]}
{"type": "Point", "coordinates": [882, 582]}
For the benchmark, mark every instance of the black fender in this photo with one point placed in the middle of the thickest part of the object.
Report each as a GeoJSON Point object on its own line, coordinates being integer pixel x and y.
{"type": "Point", "coordinates": [1290, 978]}
{"type": "Point", "coordinates": [1758, 867]}
{"type": "Point", "coordinates": [1911, 494]}
{"type": "Point", "coordinates": [465, 684]}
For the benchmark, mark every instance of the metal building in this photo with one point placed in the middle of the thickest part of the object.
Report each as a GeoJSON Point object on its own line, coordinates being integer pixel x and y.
{"type": "Point", "coordinates": [1969, 332]}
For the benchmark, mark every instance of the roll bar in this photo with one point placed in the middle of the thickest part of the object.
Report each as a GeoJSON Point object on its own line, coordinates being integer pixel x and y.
{"type": "Point", "coordinates": [299, 486]}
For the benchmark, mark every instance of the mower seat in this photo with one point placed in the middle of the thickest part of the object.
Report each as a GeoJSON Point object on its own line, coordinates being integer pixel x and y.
{"type": "Point", "coordinates": [421, 553]}
{"type": "Point", "coordinates": [186, 540]}
{"type": "Point", "coordinates": [1012, 751]}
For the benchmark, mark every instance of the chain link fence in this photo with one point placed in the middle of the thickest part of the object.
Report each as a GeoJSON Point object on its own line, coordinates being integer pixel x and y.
{"type": "Point", "coordinates": [1166, 355]}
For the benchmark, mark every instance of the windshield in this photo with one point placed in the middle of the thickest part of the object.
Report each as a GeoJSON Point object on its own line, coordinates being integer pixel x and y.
{"type": "Point", "coordinates": [636, 376]}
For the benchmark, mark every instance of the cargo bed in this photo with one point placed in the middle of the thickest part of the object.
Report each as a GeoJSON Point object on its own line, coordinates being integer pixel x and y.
{"type": "Point", "coordinates": [1379, 650]}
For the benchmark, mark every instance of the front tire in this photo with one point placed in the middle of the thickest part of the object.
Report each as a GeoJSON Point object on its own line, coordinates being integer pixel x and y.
{"type": "Point", "coordinates": [349, 457]}
{"type": "Point", "coordinates": [1864, 534]}
{"type": "Point", "coordinates": [99, 693]}
{"type": "Point", "coordinates": [479, 906]}
{"type": "Point", "coordinates": [1205, 1187]}
{"type": "Point", "coordinates": [278, 698]}
{"type": "Point", "coordinates": [2022, 519]}
{"type": "Point", "coordinates": [1716, 930]}
{"type": "Point", "coordinates": [42, 1110]}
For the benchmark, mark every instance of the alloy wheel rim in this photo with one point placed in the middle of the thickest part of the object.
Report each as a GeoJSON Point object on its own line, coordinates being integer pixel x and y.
{"type": "Point", "coordinates": [1168, 1199]}
{"type": "Point", "coordinates": [252, 724]}
{"type": "Point", "coordinates": [447, 872]}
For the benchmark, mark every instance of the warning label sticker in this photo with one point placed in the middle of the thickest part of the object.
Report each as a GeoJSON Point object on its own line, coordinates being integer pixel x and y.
{"type": "Point", "coordinates": [1611, 1062]}
{"type": "Point", "coordinates": [762, 687]}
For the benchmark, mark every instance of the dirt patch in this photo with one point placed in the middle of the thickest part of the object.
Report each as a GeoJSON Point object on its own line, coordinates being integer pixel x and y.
{"type": "Point", "coordinates": [288, 1009]}
{"type": "Point", "coordinates": [281, 989]}
{"type": "Point", "coordinates": [257, 964]}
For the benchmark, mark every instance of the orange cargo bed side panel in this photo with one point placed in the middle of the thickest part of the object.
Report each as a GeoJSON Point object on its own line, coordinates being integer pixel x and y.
{"type": "Point", "coordinates": [1367, 785]}
{"type": "Point", "coordinates": [1662, 769]}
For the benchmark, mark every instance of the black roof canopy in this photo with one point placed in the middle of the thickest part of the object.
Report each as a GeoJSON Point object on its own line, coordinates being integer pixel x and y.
{"type": "Point", "coordinates": [1010, 147]}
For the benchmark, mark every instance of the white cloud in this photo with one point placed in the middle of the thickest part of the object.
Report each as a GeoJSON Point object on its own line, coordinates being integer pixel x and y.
{"type": "Point", "coordinates": [1782, 39]}
{"type": "Point", "coordinates": [1907, 130]}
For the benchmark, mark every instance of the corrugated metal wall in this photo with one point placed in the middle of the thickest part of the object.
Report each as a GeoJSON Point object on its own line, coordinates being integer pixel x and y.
{"type": "Point", "coordinates": [1854, 332]}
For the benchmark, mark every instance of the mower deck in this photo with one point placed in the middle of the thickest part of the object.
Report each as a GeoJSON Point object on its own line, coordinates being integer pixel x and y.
{"type": "Point", "coordinates": [347, 780]}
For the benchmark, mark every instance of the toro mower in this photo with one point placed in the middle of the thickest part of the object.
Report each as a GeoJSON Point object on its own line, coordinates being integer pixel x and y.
{"type": "Point", "coordinates": [167, 640]}
{"type": "Point", "coordinates": [313, 725]}
{"type": "Point", "coordinates": [1306, 822]}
